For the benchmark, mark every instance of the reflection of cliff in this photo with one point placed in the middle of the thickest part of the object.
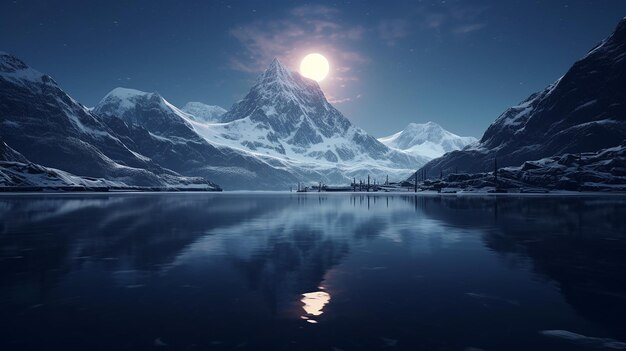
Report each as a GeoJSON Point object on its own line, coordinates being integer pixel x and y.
{"type": "Point", "coordinates": [584, 250]}
{"type": "Point", "coordinates": [282, 245]}
{"type": "Point", "coordinates": [579, 242]}
{"type": "Point", "coordinates": [42, 238]}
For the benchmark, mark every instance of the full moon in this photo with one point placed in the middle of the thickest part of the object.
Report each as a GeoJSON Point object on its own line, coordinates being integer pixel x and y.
{"type": "Point", "coordinates": [314, 66]}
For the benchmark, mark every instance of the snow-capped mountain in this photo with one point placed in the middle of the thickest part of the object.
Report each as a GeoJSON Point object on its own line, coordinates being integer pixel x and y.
{"type": "Point", "coordinates": [48, 127]}
{"type": "Point", "coordinates": [583, 111]}
{"type": "Point", "coordinates": [152, 126]}
{"type": "Point", "coordinates": [426, 139]}
{"type": "Point", "coordinates": [204, 113]}
{"type": "Point", "coordinates": [287, 117]}
{"type": "Point", "coordinates": [283, 132]}
{"type": "Point", "coordinates": [148, 110]}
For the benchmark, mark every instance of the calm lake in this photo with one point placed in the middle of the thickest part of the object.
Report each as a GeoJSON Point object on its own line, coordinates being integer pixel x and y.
{"type": "Point", "coordinates": [287, 271]}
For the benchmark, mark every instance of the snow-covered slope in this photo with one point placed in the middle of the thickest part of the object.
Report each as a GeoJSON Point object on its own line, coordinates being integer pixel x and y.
{"type": "Point", "coordinates": [283, 132]}
{"type": "Point", "coordinates": [583, 111]}
{"type": "Point", "coordinates": [17, 173]}
{"type": "Point", "coordinates": [426, 139]}
{"type": "Point", "coordinates": [48, 127]}
{"type": "Point", "coordinates": [287, 117]}
{"type": "Point", "coordinates": [148, 110]}
{"type": "Point", "coordinates": [204, 113]}
{"type": "Point", "coordinates": [152, 126]}
{"type": "Point", "coordinates": [29, 175]}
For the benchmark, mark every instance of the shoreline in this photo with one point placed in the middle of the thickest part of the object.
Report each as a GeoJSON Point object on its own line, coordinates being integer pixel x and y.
{"type": "Point", "coordinates": [286, 192]}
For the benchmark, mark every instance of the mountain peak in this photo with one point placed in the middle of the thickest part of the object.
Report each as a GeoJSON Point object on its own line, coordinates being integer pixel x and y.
{"type": "Point", "coordinates": [276, 71]}
{"type": "Point", "coordinates": [277, 85]}
{"type": "Point", "coordinates": [121, 100]}
{"type": "Point", "coordinates": [276, 64]}
{"type": "Point", "coordinates": [294, 108]}
{"type": "Point", "coordinates": [620, 30]}
{"type": "Point", "coordinates": [426, 139]}
{"type": "Point", "coordinates": [125, 99]}
{"type": "Point", "coordinates": [421, 126]}
{"type": "Point", "coordinates": [614, 42]}
{"type": "Point", "coordinates": [621, 25]}
{"type": "Point", "coordinates": [127, 93]}
{"type": "Point", "coordinates": [277, 67]}
{"type": "Point", "coordinates": [148, 110]}
{"type": "Point", "coordinates": [16, 71]}
{"type": "Point", "coordinates": [10, 63]}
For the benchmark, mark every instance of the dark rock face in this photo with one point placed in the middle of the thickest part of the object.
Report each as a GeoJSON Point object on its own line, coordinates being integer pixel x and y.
{"type": "Point", "coordinates": [583, 111]}
{"type": "Point", "coordinates": [8, 154]}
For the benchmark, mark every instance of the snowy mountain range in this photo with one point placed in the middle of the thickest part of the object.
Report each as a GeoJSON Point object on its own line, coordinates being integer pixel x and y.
{"type": "Point", "coordinates": [583, 111]}
{"type": "Point", "coordinates": [287, 117]}
{"type": "Point", "coordinates": [283, 132]}
{"type": "Point", "coordinates": [155, 128]}
{"type": "Point", "coordinates": [426, 139]}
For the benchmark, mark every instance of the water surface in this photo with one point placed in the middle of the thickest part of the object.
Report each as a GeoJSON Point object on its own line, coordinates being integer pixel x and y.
{"type": "Point", "coordinates": [312, 272]}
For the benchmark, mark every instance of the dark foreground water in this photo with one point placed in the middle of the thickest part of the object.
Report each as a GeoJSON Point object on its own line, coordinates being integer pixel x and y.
{"type": "Point", "coordinates": [311, 272]}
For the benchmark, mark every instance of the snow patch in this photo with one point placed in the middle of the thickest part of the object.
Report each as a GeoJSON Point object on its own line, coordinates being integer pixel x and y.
{"type": "Point", "coordinates": [202, 112]}
{"type": "Point", "coordinates": [585, 340]}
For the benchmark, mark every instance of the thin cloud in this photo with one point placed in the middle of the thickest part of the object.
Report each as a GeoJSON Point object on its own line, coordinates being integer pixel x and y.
{"type": "Point", "coordinates": [303, 30]}
{"type": "Point", "coordinates": [338, 100]}
{"type": "Point", "coordinates": [462, 30]}
{"type": "Point", "coordinates": [433, 20]}
{"type": "Point", "coordinates": [262, 41]}
{"type": "Point", "coordinates": [392, 30]}
{"type": "Point", "coordinates": [334, 100]}
{"type": "Point", "coordinates": [451, 18]}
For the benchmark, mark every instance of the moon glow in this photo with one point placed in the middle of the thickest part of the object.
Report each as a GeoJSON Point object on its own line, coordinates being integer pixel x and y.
{"type": "Point", "coordinates": [315, 66]}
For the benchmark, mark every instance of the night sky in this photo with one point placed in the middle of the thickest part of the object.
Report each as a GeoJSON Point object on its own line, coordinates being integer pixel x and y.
{"type": "Point", "coordinates": [458, 63]}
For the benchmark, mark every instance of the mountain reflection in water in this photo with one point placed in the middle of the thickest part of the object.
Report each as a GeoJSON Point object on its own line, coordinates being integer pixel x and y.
{"type": "Point", "coordinates": [311, 271]}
